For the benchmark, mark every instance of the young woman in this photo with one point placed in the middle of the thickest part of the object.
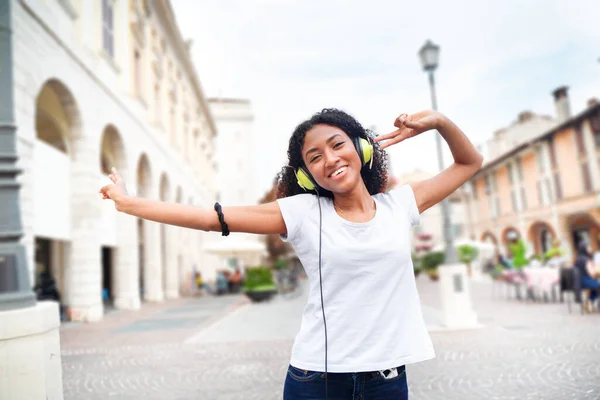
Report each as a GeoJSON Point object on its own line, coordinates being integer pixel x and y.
{"type": "Point", "coordinates": [362, 322]}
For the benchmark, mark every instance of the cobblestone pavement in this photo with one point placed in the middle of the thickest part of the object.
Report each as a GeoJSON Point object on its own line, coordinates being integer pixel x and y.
{"type": "Point", "coordinates": [226, 349]}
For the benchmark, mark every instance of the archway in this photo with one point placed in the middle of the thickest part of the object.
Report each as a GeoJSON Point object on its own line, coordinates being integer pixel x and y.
{"type": "Point", "coordinates": [510, 233]}
{"type": "Point", "coordinates": [488, 237]}
{"type": "Point", "coordinates": [57, 125]}
{"type": "Point", "coordinates": [112, 153]}
{"type": "Point", "coordinates": [114, 265]}
{"type": "Point", "coordinates": [542, 235]}
{"type": "Point", "coordinates": [583, 227]}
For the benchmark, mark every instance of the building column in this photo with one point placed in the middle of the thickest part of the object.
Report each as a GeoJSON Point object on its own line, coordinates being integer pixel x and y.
{"type": "Point", "coordinates": [127, 290]}
{"type": "Point", "coordinates": [173, 237]}
{"type": "Point", "coordinates": [84, 276]}
{"type": "Point", "coordinates": [153, 288]}
{"type": "Point", "coordinates": [564, 236]}
{"type": "Point", "coordinates": [25, 163]}
{"type": "Point", "coordinates": [186, 278]}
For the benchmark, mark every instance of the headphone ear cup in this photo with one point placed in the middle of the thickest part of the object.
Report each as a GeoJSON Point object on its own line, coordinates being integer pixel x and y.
{"type": "Point", "coordinates": [304, 179]}
{"type": "Point", "coordinates": [365, 151]}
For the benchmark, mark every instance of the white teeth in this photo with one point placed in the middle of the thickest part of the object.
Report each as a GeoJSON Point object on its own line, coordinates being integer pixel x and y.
{"type": "Point", "coordinates": [337, 172]}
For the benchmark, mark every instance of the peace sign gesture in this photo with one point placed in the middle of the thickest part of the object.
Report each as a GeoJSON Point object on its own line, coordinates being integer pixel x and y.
{"type": "Point", "coordinates": [409, 126]}
{"type": "Point", "coordinates": [117, 190]}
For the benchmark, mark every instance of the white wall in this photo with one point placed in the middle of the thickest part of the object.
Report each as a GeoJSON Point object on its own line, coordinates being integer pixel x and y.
{"type": "Point", "coordinates": [235, 158]}
{"type": "Point", "coordinates": [51, 192]}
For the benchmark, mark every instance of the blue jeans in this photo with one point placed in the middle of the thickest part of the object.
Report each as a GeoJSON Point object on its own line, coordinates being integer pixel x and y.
{"type": "Point", "coordinates": [310, 385]}
{"type": "Point", "coordinates": [590, 283]}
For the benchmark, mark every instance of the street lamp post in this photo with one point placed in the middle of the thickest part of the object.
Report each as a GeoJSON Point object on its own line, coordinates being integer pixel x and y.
{"type": "Point", "coordinates": [15, 290]}
{"type": "Point", "coordinates": [454, 289]}
{"type": "Point", "coordinates": [429, 55]}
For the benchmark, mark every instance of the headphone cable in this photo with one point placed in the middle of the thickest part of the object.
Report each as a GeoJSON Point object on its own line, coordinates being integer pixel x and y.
{"type": "Point", "coordinates": [321, 286]}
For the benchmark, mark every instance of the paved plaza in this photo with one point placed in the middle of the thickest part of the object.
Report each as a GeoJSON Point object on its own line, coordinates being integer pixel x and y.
{"type": "Point", "coordinates": [225, 348]}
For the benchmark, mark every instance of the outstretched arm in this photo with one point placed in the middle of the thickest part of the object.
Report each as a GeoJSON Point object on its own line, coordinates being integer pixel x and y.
{"type": "Point", "coordinates": [262, 219]}
{"type": "Point", "coordinates": [467, 160]}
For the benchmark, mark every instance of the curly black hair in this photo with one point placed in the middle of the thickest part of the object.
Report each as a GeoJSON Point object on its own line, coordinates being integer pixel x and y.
{"type": "Point", "coordinates": [375, 178]}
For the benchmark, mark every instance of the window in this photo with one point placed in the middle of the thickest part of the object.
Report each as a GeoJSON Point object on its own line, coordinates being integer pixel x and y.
{"type": "Point", "coordinates": [157, 105]}
{"type": "Point", "coordinates": [579, 141]}
{"type": "Point", "coordinates": [521, 184]}
{"type": "Point", "coordinates": [488, 186]}
{"type": "Point", "coordinates": [172, 128]}
{"type": "Point", "coordinates": [540, 160]}
{"type": "Point", "coordinates": [137, 73]}
{"type": "Point", "coordinates": [107, 27]}
{"type": "Point", "coordinates": [497, 209]}
{"type": "Point", "coordinates": [587, 179]}
{"type": "Point", "coordinates": [513, 198]}
{"type": "Point", "coordinates": [552, 153]}
{"type": "Point", "coordinates": [595, 125]}
{"type": "Point", "coordinates": [557, 186]}
{"type": "Point", "coordinates": [186, 139]}
{"type": "Point", "coordinates": [543, 175]}
{"type": "Point", "coordinates": [517, 189]}
{"type": "Point", "coordinates": [555, 172]}
{"type": "Point", "coordinates": [491, 189]}
{"type": "Point", "coordinates": [583, 160]}
{"type": "Point", "coordinates": [597, 139]}
{"type": "Point", "coordinates": [520, 169]}
{"type": "Point", "coordinates": [547, 191]}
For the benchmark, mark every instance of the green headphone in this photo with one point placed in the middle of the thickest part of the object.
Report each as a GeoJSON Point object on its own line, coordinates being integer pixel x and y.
{"type": "Point", "coordinates": [365, 153]}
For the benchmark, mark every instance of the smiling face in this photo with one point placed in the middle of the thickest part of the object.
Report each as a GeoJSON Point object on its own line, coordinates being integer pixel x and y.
{"type": "Point", "coordinates": [331, 158]}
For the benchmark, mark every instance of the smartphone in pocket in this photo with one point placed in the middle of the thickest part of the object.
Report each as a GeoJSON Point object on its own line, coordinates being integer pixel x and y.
{"type": "Point", "coordinates": [389, 373]}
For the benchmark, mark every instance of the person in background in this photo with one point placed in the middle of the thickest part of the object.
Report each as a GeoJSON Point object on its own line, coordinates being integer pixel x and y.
{"type": "Point", "coordinates": [588, 274]}
{"type": "Point", "coordinates": [200, 285]}
{"type": "Point", "coordinates": [46, 289]}
{"type": "Point", "coordinates": [222, 283]}
{"type": "Point", "coordinates": [236, 281]}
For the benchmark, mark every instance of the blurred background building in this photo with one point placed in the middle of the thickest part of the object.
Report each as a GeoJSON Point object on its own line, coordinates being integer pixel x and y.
{"type": "Point", "coordinates": [101, 84]}
{"type": "Point", "coordinates": [235, 182]}
{"type": "Point", "coordinates": [429, 233]}
{"type": "Point", "coordinates": [541, 180]}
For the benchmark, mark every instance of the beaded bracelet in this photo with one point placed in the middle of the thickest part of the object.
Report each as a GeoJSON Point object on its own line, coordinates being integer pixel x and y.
{"type": "Point", "coordinates": [224, 227]}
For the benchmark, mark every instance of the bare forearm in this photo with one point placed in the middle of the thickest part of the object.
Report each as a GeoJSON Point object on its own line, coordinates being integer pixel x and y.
{"type": "Point", "coordinates": [170, 213]}
{"type": "Point", "coordinates": [261, 219]}
{"type": "Point", "coordinates": [461, 147]}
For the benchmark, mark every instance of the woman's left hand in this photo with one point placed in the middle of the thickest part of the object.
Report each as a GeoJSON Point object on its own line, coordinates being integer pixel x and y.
{"type": "Point", "coordinates": [411, 125]}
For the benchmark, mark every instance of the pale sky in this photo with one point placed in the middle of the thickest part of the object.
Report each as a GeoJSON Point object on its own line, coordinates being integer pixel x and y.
{"type": "Point", "coordinates": [292, 58]}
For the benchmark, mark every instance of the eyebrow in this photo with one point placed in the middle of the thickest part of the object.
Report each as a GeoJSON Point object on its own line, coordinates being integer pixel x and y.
{"type": "Point", "coordinates": [328, 140]}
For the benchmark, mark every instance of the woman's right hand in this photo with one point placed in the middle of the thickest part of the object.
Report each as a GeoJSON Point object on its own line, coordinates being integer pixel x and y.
{"type": "Point", "coordinates": [117, 190]}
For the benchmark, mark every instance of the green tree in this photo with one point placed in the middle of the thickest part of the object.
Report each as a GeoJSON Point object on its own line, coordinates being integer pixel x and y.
{"type": "Point", "coordinates": [467, 254]}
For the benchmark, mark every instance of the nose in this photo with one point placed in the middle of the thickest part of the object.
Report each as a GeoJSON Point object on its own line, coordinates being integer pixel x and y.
{"type": "Point", "coordinates": [331, 158]}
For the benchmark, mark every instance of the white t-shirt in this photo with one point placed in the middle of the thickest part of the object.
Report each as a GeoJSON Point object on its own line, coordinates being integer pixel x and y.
{"type": "Point", "coordinates": [372, 306]}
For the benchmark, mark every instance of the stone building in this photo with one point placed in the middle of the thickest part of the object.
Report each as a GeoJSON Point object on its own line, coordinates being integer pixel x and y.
{"type": "Point", "coordinates": [99, 84]}
{"type": "Point", "coordinates": [545, 186]}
